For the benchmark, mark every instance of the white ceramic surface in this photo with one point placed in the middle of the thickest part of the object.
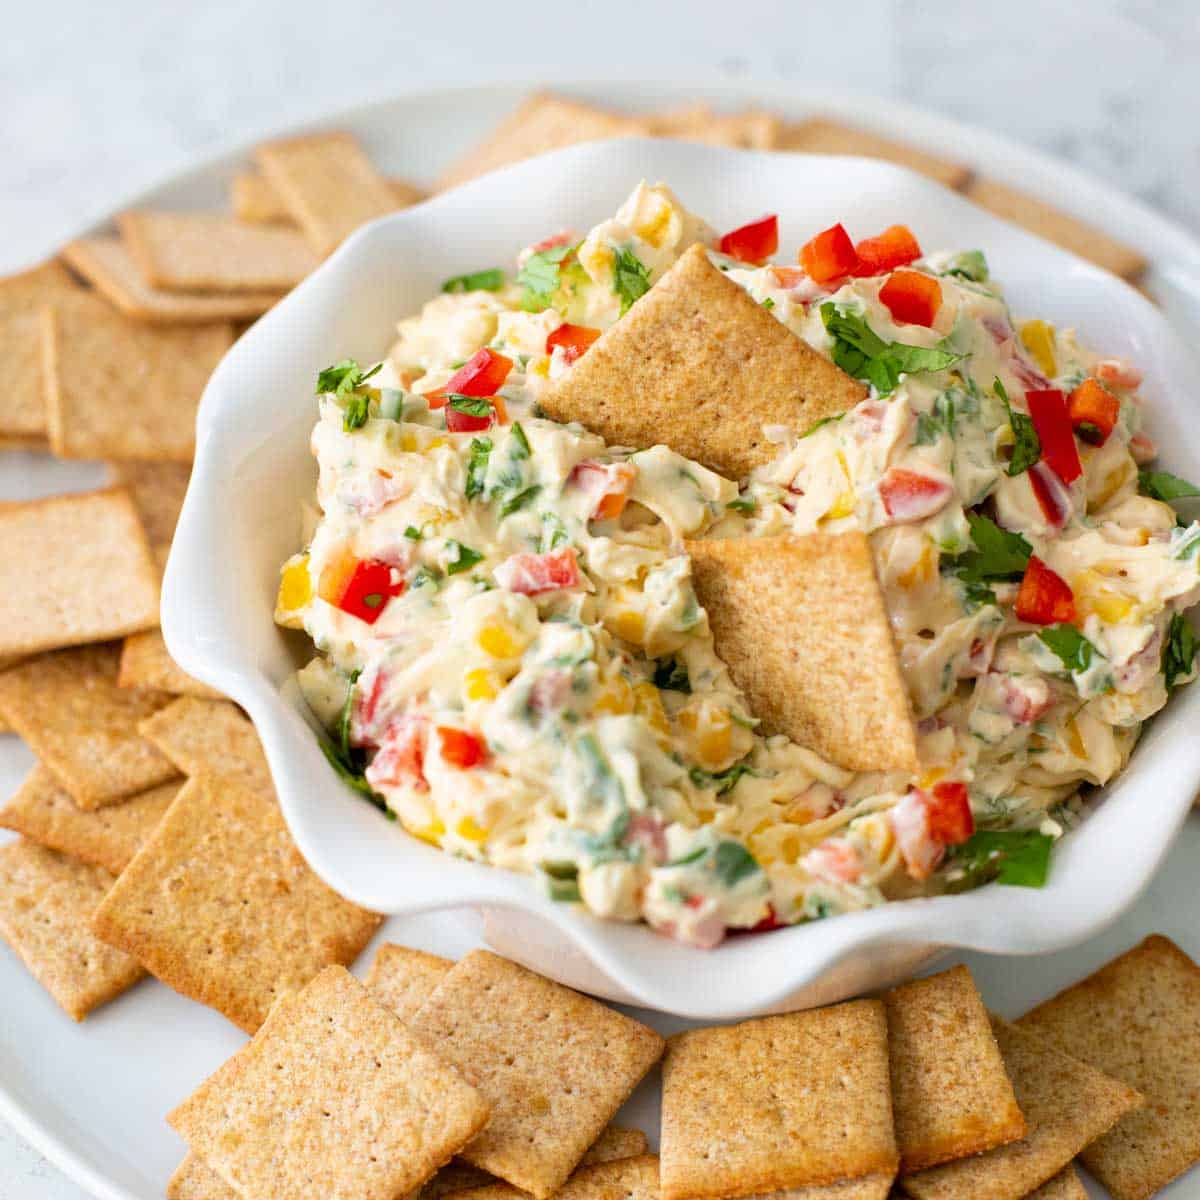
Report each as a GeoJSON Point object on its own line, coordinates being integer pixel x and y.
{"type": "Point", "coordinates": [253, 469]}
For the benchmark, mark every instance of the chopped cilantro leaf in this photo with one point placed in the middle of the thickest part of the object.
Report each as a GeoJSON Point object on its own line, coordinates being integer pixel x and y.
{"type": "Point", "coordinates": [1074, 651]}
{"type": "Point", "coordinates": [1027, 446]}
{"type": "Point", "coordinates": [344, 377]}
{"type": "Point", "coordinates": [554, 533]}
{"type": "Point", "coordinates": [471, 406]}
{"type": "Point", "coordinates": [999, 554]}
{"type": "Point", "coordinates": [1162, 485]}
{"type": "Point", "coordinates": [733, 862]}
{"type": "Point", "coordinates": [970, 264]}
{"type": "Point", "coordinates": [516, 502]}
{"type": "Point", "coordinates": [743, 504]}
{"type": "Point", "coordinates": [490, 280]}
{"type": "Point", "coordinates": [540, 276]}
{"type": "Point", "coordinates": [768, 304]}
{"type": "Point", "coordinates": [477, 461]}
{"type": "Point", "coordinates": [521, 447]}
{"type": "Point", "coordinates": [724, 781]}
{"type": "Point", "coordinates": [672, 676]}
{"type": "Point", "coordinates": [412, 533]}
{"type": "Point", "coordinates": [821, 424]}
{"type": "Point", "coordinates": [631, 279]}
{"type": "Point", "coordinates": [861, 352]}
{"type": "Point", "coordinates": [689, 858]}
{"type": "Point", "coordinates": [464, 558]}
{"type": "Point", "coordinates": [562, 880]}
{"type": "Point", "coordinates": [1179, 651]}
{"type": "Point", "coordinates": [356, 412]}
{"type": "Point", "coordinates": [348, 761]}
{"type": "Point", "coordinates": [1017, 858]}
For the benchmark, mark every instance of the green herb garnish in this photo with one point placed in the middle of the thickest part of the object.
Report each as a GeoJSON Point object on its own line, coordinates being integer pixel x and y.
{"type": "Point", "coordinates": [540, 276]}
{"type": "Point", "coordinates": [999, 555]}
{"type": "Point", "coordinates": [519, 500]}
{"type": "Point", "coordinates": [733, 862]}
{"type": "Point", "coordinates": [477, 461]}
{"type": "Point", "coordinates": [356, 412]}
{"type": "Point", "coordinates": [1027, 446]}
{"type": "Point", "coordinates": [724, 781]}
{"type": "Point", "coordinates": [1162, 485]}
{"type": "Point", "coordinates": [970, 264]}
{"type": "Point", "coordinates": [521, 449]}
{"type": "Point", "coordinates": [1014, 858]}
{"type": "Point", "coordinates": [821, 424]}
{"type": "Point", "coordinates": [348, 761]}
{"type": "Point", "coordinates": [631, 279]}
{"type": "Point", "coordinates": [344, 377]}
{"type": "Point", "coordinates": [1179, 651]}
{"type": "Point", "coordinates": [743, 504]}
{"type": "Point", "coordinates": [1074, 650]}
{"type": "Point", "coordinates": [672, 676]}
{"type": "Point", "coordinates": [490, 280]}
{"type": "Point", "coordinates": [464, 557]}
{"type": "Point", "coordinates": [470, 406]}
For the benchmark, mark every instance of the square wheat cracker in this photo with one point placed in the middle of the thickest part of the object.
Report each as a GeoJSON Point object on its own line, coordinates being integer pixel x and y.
{"type": "Point", "coordinates": [22, 400]}
{"type": "Point", "coordinates": [158, 490]}
{"type": "Point", "coordinates": [625, 1179]}
{"type": "Point", "coordinates": [403, 978]}
{"type": "Point", "coordinates": [120, 389]}
{"type": "Point", "coordinates": [554, 1065]}
{"type": "Point", "coordinates": [46, 902]}
{"type": "Point", "coordinates": [328, 185]}
{"type": "Point", "coordinates": [254, 199]}
{"type": "Point", "coordinates": [709, 366]}
{"type": "Point", "coordinates": [950, 1094]}
{"type": "Point", "coordinates": [211, 252]}
{"type": "Point", "coordinates": [333, 1097]}
{"type": "Point", "coordinates": [145, 663]}
{"type": "Point", "coordinates": [777, 1104]}
{"type": "Point", "coordinates": [752, 130]}
{"type": "Point", "coordinates": [800, 622]}
{"type": "Point", "coordinates": [542, 123]}
{"type": "Point", "coordinates": [210, 737]}
{"type": "Point", "coordinates": [1058, 227]}
{"type": "Point", "coordinates": [105, 837]}
{"type": "Point", "coordinates": [221, 906]}
{"type": "Point", "coordinates": [105, 262]}
{"type": "Point", "coordinates": [69, 710]}
{"type": "Point", "coordinates": [1137, 1019]}
{"type": "Point", "coordinates": [1067, 1105]}
{"type": "Point", "coordinates": [1064, 1186]}
{"type": "Point", "coordinates": [823, 136]}
{"type": "Point", "coordinates": [76, 569]}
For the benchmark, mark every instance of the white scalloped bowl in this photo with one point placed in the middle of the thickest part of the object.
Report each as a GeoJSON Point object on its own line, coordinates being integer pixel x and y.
{"type": "Point", "coordinates": [253, 470]}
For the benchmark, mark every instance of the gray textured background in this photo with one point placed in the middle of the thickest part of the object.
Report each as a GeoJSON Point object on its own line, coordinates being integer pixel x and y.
{"type": "Point", "coordinates": [97, 99]}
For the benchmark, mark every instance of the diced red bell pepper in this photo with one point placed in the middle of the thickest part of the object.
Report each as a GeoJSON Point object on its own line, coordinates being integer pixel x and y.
{"type": "Point", "coordinates": [910, 496]}
{"type": "Point", "coordinates": [894, 247]}
{"type": "Point", "coordinates": [768, 923]}
{"type": "Point", "coordinates": [574, 340]}
{"type": "Point", "coordinates": [788, 277]}
{"type": "Point", "coordinates": [829, 256]}
{"type": "Point", "coordinates": [460, 747]}
{"type": "Point", "coordinates": [1045, 598]}
{"type": "Point", "coordinates": [950, 817]}
{"type": "Point", "coordinates": [532, 574]}
{"type": "Point", "coordinates": [752, 243]}
{"type": "Point", "coordinates": [461, 422]}
{"type": "Point", "coordinates": [609, 483]}
{"type": "Point", "coordinates": [482, 375]}
{"type": "Point", "coordinates": [360, 587]}
{"type": "Point", "coordinates": [400, 759]}
{"type": "Point", "coordinates": [1048, 408]}
{"type": "Point", "coordinates": [1094, 411]}
{"type": "Point", "coordinates": [912, 298]}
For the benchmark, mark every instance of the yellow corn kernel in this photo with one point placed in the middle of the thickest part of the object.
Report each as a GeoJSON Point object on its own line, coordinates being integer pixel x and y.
{"type": "Point", "coordinates": [629, 626]}
{"type": "Point", "coordinates": [481, 684]}
{"type": "Point", "coordinates": [1038, 337]}
{"type": "Point", "coordinates": [843, 506]}
{"type": "Point", "coordinates": [647, 703]}
{"type": "Point", "coordinates": [652, 231]}
{"type": "Point", "coordinates": [615, 698]}
{"type": "Point", "coordinates": [436, 444]}
{"type": "Point", "coordinates": [498, 641]}
{"type": "Point", "coordinates": [1075, 740]}
{"type": "Point", "coordinates": [876, 831]}
{"type": "Point", "coordinates": [1093, 598]}
{"type": "Point", "coordinates": [920, 572]}
{"type": "Point", "coordinates": [596, 260]}
{"type": "Point", "coordinates": [469, 831]}
{"type": "Point", "coordinates": [539, 366]}
{"type": "Point", "coordinates": [928, 778]}
{"type": "Point", "coordinates": [706, 816]}
{"type": "Point", "coordinates": [1111, 484]}
{"type": "Point", "coordinates": [295, 586]}
{"type": "Point", "coordinates": [714, 744]}
{"type": "Point", "coordinates": [432, 833]}
{"type": "Point", "coordinates": [1005, 436]}
{"type": "Point", "coordinates": [409, 442]}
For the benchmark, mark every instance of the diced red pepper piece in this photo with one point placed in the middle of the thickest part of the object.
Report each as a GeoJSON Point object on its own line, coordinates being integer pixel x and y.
{"type": "Point", "coordinates": [460, 747]}
{"type": "Point", "coordinates": [461, 422]}
{"type": "Point", "coordinates": [950, 817]}
{"type": "Point", "coordinates": [912, 297]}
{"type": "Point", "coordinates": [1048, 408]}
{"type": "Point", "coordinates": [609, 483]}
{"type": "Point", "coordinates": [788, 277]}
{"type": "Point", "coordinates": [752, 243]}
{"type": "Point", "coordinates": [1093, 410]}
{"type": "Point", "coordinates": [532, 574]}
{"type": "Point", "coordinates": [360, 587]}
{"type": "Point", "coordinates": [574, 340]}
{"type": "Point", "coordinates": [401, 756]}
{"type": "Point", "coordinates": [769, 922]}
{"type": "Point", "coordinates": [894, 247]}
{"type": "Point", "coordinates": [482, 375]}
{"type": "Point", "coordinates": [1045, 598]}
{"type": "Point", "coordinates": [910, 496]}
{"type": "Point", "coordinates": [829, 256]}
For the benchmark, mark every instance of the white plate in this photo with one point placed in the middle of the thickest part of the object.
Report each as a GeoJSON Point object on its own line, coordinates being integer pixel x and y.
{"type": "Point", "coordinates": [92, 1097]}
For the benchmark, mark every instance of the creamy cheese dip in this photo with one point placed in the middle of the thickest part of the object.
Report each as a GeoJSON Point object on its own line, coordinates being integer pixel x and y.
{"type": "Point", "coordinates": [512, 661]}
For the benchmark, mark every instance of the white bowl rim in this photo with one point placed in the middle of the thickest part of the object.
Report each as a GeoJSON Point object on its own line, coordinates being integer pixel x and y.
{"type": "Point", "coordinates": [997, 920]}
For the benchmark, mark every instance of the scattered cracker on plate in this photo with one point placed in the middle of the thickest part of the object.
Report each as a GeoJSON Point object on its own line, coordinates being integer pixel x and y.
{"type": "Point", "coordinates": [554, 1065]}
{"type": "Point", "coordinates": [1064, 1186]}
{"type": "Point", "coordinates": [333, 1098]}
{"type": "Point", "coordinates": [46, 902]}
{"type": "Point", "coordinates": [209, 737]}
{"type": "Point", "coordinates": [707, 362]}
{"type": "Point", "coordinates": [120, 389]}
{"type": "Point", "coordinates": [777, 1104]}
{"type": "Point", "coordinates": [157, 489]}
{"type": "Point", "coordinates": [145, 663]}
{"type": "Point", "coordinates": [543, 122]}
{"type": "Point", "coordinates": [22, 400]}
{"type": "Point", "coordinates": [624, 1179]}
{"type": "Point", "coordinates": [105, 262]}
{"type": "Point", "coordinates": [329, 186]}
{"type": "Point", "coordinates": [69, 710]}
{"type": "Point", "coordinates": [823, 136]}
{"type": "Point", "coordinates": [403, 978]}
{"type": "Point", "coordinates": [255, 199]}
{"type": "Point", "coordinates": [1137, 1019]}
{"type": "Point", "coordinates": [105, 837]}
{"type": "Point", "coordinates": [1067, 1105]}
{"type": "Point", "coordinates": [76, 569]}
{"type": "Point", "coordinates": [800, 623]}
{"type": "Point", "coordinates": [950, 1093]}
{"type": "Point", "coordinates": [1059, 227]}
{"type": "Point", "coordinates": [220, 905]}
{"type": "Point", "coordinates": [195, 1180]}
{"type": "Point", "coordinates": [751, 130]}
{"type": "Point", "coordinates": [210, 252]}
